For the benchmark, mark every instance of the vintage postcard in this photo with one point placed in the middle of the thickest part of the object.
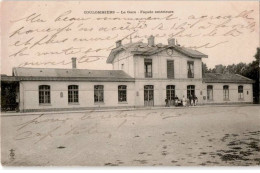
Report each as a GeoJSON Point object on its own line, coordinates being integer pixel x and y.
{"type": "Point", "coordinates": [130, 83]}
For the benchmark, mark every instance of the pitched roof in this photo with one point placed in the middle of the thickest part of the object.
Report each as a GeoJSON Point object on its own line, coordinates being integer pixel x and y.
{"type": "Point", "coordinates": [225, 78]}
{"type": "Point", "coordinates": [70, 74]}
{"type": "Point", "coordinates": [141, 48]}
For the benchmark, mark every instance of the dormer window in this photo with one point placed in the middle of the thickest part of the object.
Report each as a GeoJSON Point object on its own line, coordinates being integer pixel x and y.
{"type": "Point", "coordinates": [190, 67]}
{"type": "Point", "coordinates": [148, 68]}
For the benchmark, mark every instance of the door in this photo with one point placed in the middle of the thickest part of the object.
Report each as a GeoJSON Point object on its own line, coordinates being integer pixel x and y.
{"type": "Point", "coordinates": [148, 95]}
{"type": "Point", "coordinates": [190, 91]}
{"type": "Point", "coordinates": [9, 96]}
{"type": "Point", "coordinates": [170, 94]}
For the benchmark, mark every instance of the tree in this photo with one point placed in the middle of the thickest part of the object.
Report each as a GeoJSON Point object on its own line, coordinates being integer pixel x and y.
{"type": "Point", "coordinates": [204, 68]}
{"type": "Point", "coordinates": [257, 55]}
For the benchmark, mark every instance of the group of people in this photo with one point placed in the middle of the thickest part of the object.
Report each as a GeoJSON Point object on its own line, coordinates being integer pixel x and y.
{"type": "Point", "coordinates": [192, 100]}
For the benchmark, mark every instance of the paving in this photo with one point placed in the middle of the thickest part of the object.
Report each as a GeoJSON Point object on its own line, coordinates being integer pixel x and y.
{"type": "Point", "coordinates": [193, 136]}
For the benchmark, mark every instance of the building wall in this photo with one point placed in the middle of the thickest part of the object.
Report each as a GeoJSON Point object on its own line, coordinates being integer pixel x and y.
{"type": "Point", "coordinates": [160, 90]}
{"type": "Point", "coordinates": [29, 95]}
{"type": "Point", "coordinates": [233, 93]}
{"type": "Point", "coordinates": [125, 58]}
{"type": "Point", "coordinates": [200, 91]}
{"type": "Point", "coordinates": [134, 66]}
{"type": "Point", "coordinates": [181, 81]}
{"type": "Point", "coordinates": [159, 65]}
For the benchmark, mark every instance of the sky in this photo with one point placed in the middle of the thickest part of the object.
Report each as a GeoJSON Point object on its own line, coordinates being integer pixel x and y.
{"type": "Point", "coordinates": [48, 34]}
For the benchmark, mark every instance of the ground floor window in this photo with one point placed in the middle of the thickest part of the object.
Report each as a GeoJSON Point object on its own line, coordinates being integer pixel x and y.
{"type": "Point", "coordinates": [240, 92]}
{"type": "Point", "coordinates": [98, 93]}
{"type": "Point", "coordinates": [170, 92]}
{"type": "Point", "coordinates": [226, 92]}
{"type": "Point", "coordinates": [44, 94]}
{"type": "Point", "coordinates": [210, 92]}
{"type": "Point", "coordinates": [122, 93]}
{"type": "Point", "coordinates": [190, 91]}
{"type": "Point", "coordinates": [73, 94]}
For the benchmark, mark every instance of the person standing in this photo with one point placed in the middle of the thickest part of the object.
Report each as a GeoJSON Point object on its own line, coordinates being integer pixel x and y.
{"type": "Point", "coordinates": [166, 102]}
{"type": "Point", "coordinates": [183, 101]}
{"type": "Point", "coordinates": [195, 99]}
{"type": "Point", "coordinates": [176, 99]}
{"type": "Point", "coordinates": [190, 100]}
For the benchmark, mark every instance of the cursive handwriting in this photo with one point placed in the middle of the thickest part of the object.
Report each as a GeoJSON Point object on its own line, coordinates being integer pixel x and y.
{"type": "Point", "coordinates": [48, 126]}
{"type": "Point", "coordinates": [32, 18]}
{"type": "Point", "coordinates": [39, 120]}
{"type": "Point", "coordinates": [90, 38]}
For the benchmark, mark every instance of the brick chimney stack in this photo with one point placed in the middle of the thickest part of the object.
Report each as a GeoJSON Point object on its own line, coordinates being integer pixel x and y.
{"type": "Point", "coordinates": [74, 62]}
{"type": "Point", "coordinates": [118, 43]}
{"type": "Point", "coordinates": [151, 41]}
{"type": "Point", "coordinates": [171, 41]}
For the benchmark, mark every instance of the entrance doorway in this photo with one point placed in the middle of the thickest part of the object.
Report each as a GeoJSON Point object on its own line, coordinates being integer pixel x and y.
{"type": "Point", "coordinates": [190, 91]}
{"type": "Point", "coordinates": [148, 95]}
{"type": "Point", "coordinates": [170, 94]}
{"type": "Point", "coordinates": [9, 96]}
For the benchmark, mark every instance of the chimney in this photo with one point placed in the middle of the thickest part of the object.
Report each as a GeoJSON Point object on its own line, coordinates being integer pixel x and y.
{"type": "Point", "coordinates": [151, 41]}
{"type": "Point", "coordinates": [74, 62]}
{"type": "Point", "coordinates": [171, 41]}
{"type": "Point", "coordinates": [219, 68]}
{"type": "Point", "coordinates": [118, 43]}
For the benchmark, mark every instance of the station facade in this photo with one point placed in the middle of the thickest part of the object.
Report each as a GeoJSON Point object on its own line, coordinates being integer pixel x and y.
{"type": "Point", "coordinates": [144, 74]}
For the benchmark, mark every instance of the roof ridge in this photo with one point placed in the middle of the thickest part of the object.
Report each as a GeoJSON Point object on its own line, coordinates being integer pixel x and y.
{"type": "Point", "coordinates": [63, 69]}
{"type": "Point", "coordinates": [227, 78]}
{"type": "Point", "coordinates": [147, 50]}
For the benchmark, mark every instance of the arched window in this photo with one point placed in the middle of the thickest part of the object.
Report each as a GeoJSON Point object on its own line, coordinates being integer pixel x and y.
{"type": "Point", "coordinates": [98, 93]}
{"type": "Point", "coordinates": [225, 92]}
{"type": "Point", "coordinates": [240, 92]}
{"type": "Point", "coordinates": [148, 87]}
{"type": "Point", "coordinates": [170, 92]}
{"type": "Point", "coordinates": [148, 95]}
{"type": "Point", "coordinates": [210, 92]}
{"type": "Point", "coordinates": [44, 94]}
{"type": "Point", "coordinates": [73, 94]}
{"type": "Point", "coordinates": [122, 93]}
{"type": "Point", "coordinates": [190, 90]}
